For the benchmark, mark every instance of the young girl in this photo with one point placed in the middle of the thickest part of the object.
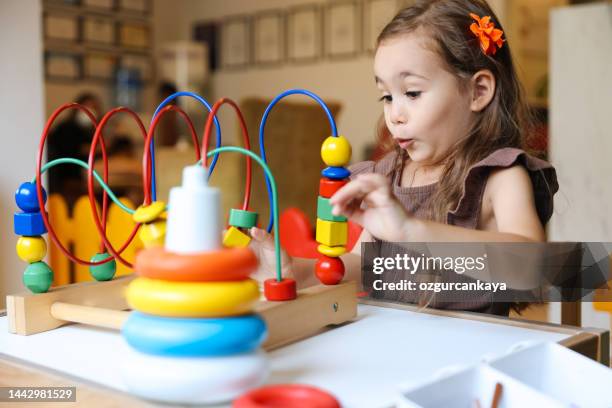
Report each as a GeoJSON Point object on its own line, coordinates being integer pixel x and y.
{"type": "Point", "coordinates": [458, 118]}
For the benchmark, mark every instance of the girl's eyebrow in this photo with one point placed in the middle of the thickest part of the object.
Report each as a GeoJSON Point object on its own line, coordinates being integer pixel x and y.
{"type": "Point", "coordinates": [402, 75]}
{"type": "Point", "coordinates": [405, 74]}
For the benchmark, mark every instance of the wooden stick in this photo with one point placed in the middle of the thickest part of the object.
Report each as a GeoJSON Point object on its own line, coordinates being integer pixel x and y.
{"type": "Point", "coordinates": [94, 316]}
{"type": "Point", "coordinates": [30, 313]}
{"type": "Point", "coordinates": [497, 395]}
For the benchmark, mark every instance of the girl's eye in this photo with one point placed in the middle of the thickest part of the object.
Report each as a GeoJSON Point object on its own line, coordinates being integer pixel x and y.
{"type": "Point", "coordinates": [386, 99]}
{"type": "Point", "coordinates": [413, 94]}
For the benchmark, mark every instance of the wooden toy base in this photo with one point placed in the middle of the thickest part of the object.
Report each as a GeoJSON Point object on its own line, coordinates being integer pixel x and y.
{"type": "Point", "coordinates": [103, 304]}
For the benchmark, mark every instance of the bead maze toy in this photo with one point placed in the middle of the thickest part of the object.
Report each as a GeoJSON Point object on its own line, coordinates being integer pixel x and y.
{"type": "Point", "coordinates": [191, 314]}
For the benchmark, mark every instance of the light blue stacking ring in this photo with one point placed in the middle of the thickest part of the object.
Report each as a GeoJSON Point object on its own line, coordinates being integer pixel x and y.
{"type": "Point", "coordinates": [336, 173]}
{"type": "Point", "coordinates": [187, 337]}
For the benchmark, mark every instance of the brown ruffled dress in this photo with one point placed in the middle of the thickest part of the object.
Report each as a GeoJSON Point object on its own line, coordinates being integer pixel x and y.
{"type": "Point", "coordinates": [466, 214]}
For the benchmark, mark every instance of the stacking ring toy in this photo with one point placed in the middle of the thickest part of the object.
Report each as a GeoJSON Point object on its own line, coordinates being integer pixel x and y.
{"type": "Point", "coordinates": [192, 381]}
{"type": "Point", "coordinates": [193, 299]}
{"type": "Point", "coordinates": [290, 395]}
{"type": "Point", "coordinates": [188, 337]}
{"type": "Point", "coordinates": [232, 264]}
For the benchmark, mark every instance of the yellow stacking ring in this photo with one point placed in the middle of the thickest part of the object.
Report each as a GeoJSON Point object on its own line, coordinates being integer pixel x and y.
{"type": "Point", "coordinates": [192, 299]}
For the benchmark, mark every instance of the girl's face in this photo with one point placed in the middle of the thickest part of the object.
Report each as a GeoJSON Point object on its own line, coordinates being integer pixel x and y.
{"type": "Point", "coordinates": [425, 109]}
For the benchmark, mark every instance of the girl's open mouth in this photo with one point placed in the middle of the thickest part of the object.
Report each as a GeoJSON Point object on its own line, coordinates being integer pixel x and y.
{"type": "Point", "coordinates": [404, 143]}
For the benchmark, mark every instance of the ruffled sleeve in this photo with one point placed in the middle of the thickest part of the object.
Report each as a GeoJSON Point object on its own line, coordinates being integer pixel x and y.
{"type": "Point", "coordinates": [543, 178]}
{"type": "Point", "coordinates": [361, 168]}
{"type": "Point", "coordinates": [383, 166]}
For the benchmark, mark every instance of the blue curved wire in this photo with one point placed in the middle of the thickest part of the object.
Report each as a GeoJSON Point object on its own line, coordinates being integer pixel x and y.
{"type": "Point", "coordinates": [262, 126]}
{"type": "Point", "coordinates": [160, 107]}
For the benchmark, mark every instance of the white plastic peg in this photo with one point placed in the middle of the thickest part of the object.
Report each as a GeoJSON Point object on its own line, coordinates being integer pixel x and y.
{"type": "Point", "coordinates": [194, 216]}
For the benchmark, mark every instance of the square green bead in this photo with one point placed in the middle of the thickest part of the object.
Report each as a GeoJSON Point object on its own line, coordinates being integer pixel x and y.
{"type": "Point", "coordinates": [324, 210]}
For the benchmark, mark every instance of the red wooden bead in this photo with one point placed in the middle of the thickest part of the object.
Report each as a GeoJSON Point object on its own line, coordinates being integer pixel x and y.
{"type": "Point", "coordinates": [329, 271]}
{"type": "Point", "coordinates": [287, 395]}
{"type": "Point", "coordinates": [327, 187]}
{"type": "Point", "coordinates": [286, 289]}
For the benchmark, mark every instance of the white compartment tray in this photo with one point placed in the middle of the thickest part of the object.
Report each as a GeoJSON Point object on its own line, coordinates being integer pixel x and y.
{"type": "Point", "coordinates": [532, 374]}
{"type": "Point", "coordinates": [561, 373]}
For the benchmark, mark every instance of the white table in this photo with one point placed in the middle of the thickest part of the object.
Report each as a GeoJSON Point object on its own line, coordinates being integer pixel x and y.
{"type": "Point", "coordinates": [362, 362]}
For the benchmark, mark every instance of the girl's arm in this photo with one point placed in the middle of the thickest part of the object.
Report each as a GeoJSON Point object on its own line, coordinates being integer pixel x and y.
{"type": "Point", "coordinates": [509, 190]}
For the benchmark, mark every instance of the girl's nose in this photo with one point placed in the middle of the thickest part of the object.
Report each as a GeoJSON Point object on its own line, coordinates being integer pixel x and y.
{"type": "Point", "coordinates": [398, 116]}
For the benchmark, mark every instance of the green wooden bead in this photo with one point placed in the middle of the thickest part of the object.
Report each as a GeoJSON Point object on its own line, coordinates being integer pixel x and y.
{"type": "Point", "coordinates": [324, 211]}
{"type": "Point", "coordinates": [242, 218]}
{"type": "Point", "coordinates": [105, 271]}
{"type": "Point", "coordinates": [38, 277]}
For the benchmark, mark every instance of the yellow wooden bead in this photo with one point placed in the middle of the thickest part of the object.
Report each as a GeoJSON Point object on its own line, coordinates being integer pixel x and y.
{"type": "Point", "coordinates": [234, 238]}
{"type": "Point", "coordinates": [153, 234]}
{"type": "Point", "coordinates": [331, 251]}
{"type": "Point", "coordinates": [192, 299]}
{"type": "Point", "coordinates": [149, 212]}
{"type": "Point", "coordinates": [31, 249]}
{"type": "Point", "coordinates": [336, 151]}
{"type": "Point", "coordinates": [332, 233]}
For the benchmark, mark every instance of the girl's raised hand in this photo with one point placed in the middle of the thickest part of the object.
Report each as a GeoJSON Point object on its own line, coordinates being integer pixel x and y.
{"type": "Point", "coordinates": [382, 215]}
{"type": "Point", "coordinates": [263, 246]}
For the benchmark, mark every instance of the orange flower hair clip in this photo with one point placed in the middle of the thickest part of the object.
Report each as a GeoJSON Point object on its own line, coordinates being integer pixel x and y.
{"type": "Point", "coordinates": [489, 36]}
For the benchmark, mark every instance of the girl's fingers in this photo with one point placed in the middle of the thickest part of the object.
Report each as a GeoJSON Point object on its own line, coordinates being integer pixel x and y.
{"type": "Point", "coordinates": [357, 190]}
{"type": "Point", "coordinates": [356, 215]}
{"type": "Point", "coordinates": [262, 237]}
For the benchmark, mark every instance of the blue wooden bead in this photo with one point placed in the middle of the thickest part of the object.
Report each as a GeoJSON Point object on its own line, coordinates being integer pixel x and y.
{"type": "Point", "coordinates": [336, 173]}
{"type": "Point", "coordinates": [29, 224]}
{"type": "Point", "coordinates": [194, 337]}
{"type": "Point", "coordinates": [27, 199]}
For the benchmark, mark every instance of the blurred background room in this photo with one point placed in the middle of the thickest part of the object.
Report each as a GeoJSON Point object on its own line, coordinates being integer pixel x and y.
{"type": "Point", "coordinates": [135, 53]}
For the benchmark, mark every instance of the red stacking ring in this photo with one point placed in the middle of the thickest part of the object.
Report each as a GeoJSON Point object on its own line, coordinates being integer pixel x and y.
{"type": "Point", "coordinates": [287, 395]}
{"type": "Point", "coordinates": [231, 264]}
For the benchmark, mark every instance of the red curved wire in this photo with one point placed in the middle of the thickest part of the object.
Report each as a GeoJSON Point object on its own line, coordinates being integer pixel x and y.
{"type": "Point", "coordinates": [146, 156]}
{"type": "Point", "coordinates": [41, 204]}
{"type": "Point", "coordinates": [101, 226]}
{"type": "Point", "coordinates": [247, 144]}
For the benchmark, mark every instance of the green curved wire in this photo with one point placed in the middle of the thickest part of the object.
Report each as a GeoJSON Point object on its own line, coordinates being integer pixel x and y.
{"type": "Point", "coordinates": [273, 204]}
{"type": "Point", "coordinates": [264, 166]}
{"type": "Point", "coordinates": [71, 160]}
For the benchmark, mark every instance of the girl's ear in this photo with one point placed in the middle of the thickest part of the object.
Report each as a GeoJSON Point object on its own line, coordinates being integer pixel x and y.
{"type": "Point", "coordinates": [483, 89]}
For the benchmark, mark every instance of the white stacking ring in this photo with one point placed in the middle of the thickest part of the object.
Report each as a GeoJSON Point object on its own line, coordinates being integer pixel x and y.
{"type": "Point", "coordinates": [201, 380]}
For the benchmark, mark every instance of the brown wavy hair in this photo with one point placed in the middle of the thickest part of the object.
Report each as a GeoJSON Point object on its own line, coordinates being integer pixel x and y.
{"type": "Point", "coordinates": [505, 122]}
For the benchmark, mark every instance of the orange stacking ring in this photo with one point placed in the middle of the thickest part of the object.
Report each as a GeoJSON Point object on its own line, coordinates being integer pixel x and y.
{"type": "Point", "coordinates": [231, 264]}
